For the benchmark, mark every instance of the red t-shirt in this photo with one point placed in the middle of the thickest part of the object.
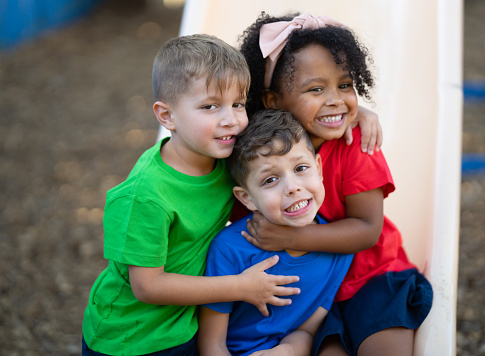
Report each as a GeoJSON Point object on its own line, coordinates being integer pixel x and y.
{"type": "Point", "coordinates": [346, 171]}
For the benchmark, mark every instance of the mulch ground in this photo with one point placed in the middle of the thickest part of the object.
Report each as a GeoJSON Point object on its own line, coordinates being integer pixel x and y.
{"type": "Point", "coordinates": [75, 114]}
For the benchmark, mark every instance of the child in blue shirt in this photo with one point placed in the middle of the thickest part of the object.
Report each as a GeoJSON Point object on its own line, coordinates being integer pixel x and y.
{"type": "Point", "coordinates": [277, 174]}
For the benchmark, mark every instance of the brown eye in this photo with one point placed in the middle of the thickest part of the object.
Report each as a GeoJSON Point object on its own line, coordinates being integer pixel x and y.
{"type": "Point", "coordinates": [209, 107]}
{"type": "Point", "coordinates": [269, 180]}
{"type": "Point", "coordinates": [301, 168]}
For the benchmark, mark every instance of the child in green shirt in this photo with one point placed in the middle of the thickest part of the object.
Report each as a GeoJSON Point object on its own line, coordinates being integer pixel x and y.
{"type": "Point", "coordinates": [159, 223]}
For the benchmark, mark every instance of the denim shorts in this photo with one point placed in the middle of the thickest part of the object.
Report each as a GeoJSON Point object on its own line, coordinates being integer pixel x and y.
{"type": "Point", "coordinates": [187, 349]}
{"type": "Point", "coordinates": [393, 299]}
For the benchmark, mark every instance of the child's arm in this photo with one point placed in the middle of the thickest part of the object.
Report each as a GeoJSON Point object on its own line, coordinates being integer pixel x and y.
{"type": "Point", "coordinates": [370, 128]}
{"type": "Point", "coordinates": [211, 338]}
{"type": "Point", "coordinates": [155, 286]}
{"type": "Point", "coordinates": [358, 231]}
{"type": "Point", "coordinates": [212, 334]}
{"type": "Point", "coordinates": [300, 341]}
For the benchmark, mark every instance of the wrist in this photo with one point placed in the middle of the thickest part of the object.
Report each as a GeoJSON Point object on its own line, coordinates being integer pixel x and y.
{"type": "Point", "coordinates": [289, 238]}
{"type": "Point", "coordinates": [240, 287]}
{"type": "Point", "coordinates": [284, 350]}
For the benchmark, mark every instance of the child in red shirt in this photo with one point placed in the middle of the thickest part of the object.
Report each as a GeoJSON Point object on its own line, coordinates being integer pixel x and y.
{"type": "Point", "coordinates": [312, 67]}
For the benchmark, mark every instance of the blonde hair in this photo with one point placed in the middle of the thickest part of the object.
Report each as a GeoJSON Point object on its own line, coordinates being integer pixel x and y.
{"type": "Point", "coordinates": [181, 60]}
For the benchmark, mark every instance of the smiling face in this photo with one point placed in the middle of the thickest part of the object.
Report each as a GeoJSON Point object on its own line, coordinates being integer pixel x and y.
{"type": "Point", "coordinates": [205, 120]}
{"type": "Point", "coordinates": [286, 189]}
{"type": "Point", "coordinates": [322, 96]}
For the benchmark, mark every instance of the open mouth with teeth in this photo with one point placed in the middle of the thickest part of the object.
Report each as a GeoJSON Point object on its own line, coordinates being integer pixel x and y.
{"type": "Point", "coordinates": [330, 119]}
{"type": "Point", "coordinates": [298, 207]}
{"type": "Point", "coordinates": [226, 140]}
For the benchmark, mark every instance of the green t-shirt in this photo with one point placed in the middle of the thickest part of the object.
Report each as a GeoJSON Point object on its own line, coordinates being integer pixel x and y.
{"type": "Point", "coordinates": [157, 217]}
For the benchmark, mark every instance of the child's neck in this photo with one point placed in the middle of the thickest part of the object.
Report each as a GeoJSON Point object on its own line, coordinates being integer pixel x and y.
{"type": "Point", "coordinates": [317, 143]}
{"type": "Point", "coordinates": [185, 161]}
{"type": "Point", "coordinates": [295, 253]}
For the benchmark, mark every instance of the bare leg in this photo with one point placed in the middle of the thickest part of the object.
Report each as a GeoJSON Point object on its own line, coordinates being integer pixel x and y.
{"type": "Point", "coordinates": [392, 341]}
{"type": "Point", "coordinates": [331, 347]}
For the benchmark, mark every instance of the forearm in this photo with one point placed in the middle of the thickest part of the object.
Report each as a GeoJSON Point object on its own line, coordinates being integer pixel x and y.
{"type": "Point", "coordinates": [211, 338]}
{"type": "Point", "coordinates": [159, 287]}
{"type": "Point", "coordinates": [359, 230]}
{"type": "Point", "coordinates": [253, 285]}
{"type": "Point", "coordinates": [349, 235]}
{"type": "Point", "coordinates": [213, 349]}
{"type": "Point", "coordinates": [298, 342]}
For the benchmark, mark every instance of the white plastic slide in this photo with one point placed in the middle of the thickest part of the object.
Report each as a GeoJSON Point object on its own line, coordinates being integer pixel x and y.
{"type": "Point", "coordinates": [417, 49]}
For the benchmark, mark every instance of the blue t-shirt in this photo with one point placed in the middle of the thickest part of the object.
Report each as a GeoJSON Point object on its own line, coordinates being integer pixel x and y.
{"type": "Point", "coordinates": [248, 330]}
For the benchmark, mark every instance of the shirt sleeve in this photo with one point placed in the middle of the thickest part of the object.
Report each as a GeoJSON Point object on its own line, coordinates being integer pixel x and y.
{"type": "Point", "coordinates": [341, 264]}
{"type": "Point", "coordinates": [340, 268]}
{"type": "Point", "coordinates": [220, 262]}
{"type": "Point", "coordinates": [363, 172]}
{"type": "Point", "coordinates": [135, 231]}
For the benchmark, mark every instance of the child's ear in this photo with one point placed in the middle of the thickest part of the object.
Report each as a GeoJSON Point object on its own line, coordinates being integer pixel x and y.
{"type": "Point", "coordinates": [164, 115]}
{"type": "Point", "coordinates": [271, 100]}
{"type": "Point", "coordinates": [318, 159]}
{"type": "Point", "coordinates": [243, 196]}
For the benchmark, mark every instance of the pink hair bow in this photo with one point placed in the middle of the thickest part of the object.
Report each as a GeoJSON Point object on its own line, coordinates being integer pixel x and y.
{"type": "Point", "coordinates": [273, 37]}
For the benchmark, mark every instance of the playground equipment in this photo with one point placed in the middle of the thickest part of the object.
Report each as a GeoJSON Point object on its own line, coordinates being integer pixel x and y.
{"type": "Point", "coordinates": [27, 19]}
{"type": "Point", "coordinates": [417, 48]}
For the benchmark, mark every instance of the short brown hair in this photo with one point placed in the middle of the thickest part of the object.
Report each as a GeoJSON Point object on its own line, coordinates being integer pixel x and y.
{"type": "Point", "coordinates": [181, 60]}
{"type": "Point", "coordinates": [273, 130]}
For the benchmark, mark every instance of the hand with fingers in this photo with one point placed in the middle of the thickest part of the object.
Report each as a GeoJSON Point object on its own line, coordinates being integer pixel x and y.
{"type": "Point", "coordinates": [262, 288]}
{"type": "Point", "coordinates": [370, 128]}
{"type": "Point", "coordinates": [266, 235]}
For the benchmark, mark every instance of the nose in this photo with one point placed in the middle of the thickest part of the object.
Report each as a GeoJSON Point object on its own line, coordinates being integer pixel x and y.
{"type": "Point", "coordinates": [292, 186]}
{"type": "Point", "coordinates": [334, 99]}
{"type": "Point", "coordinates": [230, 118]}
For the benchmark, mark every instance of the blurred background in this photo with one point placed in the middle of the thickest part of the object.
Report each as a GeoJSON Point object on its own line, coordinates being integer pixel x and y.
{"type": "Point", "coordinates": [75, 115]}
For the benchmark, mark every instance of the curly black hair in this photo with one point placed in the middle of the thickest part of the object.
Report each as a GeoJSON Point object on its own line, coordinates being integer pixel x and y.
{"type": "Point", "coordinates": [340, 41]}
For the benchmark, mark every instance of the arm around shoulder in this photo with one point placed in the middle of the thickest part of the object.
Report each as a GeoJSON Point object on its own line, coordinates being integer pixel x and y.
{"type": "Point", "coordinates": [152, 285]}
{"type": "Point", "coordinates": [371, 129]}
{"type": "Point", "coordinates": [254, 285]}
{"type": "Point", "coordinates": [359, 230]}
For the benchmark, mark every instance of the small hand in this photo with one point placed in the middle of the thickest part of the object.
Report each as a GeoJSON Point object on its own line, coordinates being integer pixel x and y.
{"type": "Point", "coordinates": [266, 235]}
{"type": "Point", "coordinates": [262, 288]}
{"type": "Point", "coordinates": [370, 128]}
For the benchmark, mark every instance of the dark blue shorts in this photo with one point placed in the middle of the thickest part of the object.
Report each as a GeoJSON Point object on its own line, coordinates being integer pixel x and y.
{"type": "Point", "coordinates": [187, 349]}
{"type": "Point", "coordinates": [393, 299]}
